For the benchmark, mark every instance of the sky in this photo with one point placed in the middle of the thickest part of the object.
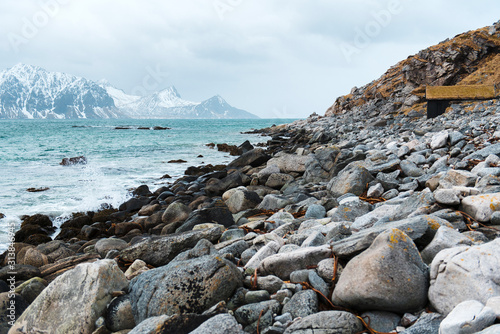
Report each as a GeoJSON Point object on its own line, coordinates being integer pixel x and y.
{"type": "Point", "coordinates": [276, 59]}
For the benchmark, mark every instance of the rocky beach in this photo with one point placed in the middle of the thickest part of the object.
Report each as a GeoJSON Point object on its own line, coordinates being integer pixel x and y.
{"type": "Point", "coordinates": [369, 219]}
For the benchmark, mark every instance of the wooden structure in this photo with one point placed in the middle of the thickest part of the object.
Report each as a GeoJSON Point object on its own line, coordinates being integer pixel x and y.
{"type": "Point", "coordinates": [439, 97]}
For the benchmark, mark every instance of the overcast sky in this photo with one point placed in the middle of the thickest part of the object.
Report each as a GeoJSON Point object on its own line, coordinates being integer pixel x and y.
{"type": "Point", "coordinates": [272, 58]}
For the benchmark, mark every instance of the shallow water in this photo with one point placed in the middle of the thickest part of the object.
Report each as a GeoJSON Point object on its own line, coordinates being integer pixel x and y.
{"type": "Point", "coordinates": [31, 150]}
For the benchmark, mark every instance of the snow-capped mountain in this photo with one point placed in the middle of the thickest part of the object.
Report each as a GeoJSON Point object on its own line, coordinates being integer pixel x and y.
{"type": "Point", "coordinates": [31, 92]}
{"type": "Point", "coordinates": [169, 104]}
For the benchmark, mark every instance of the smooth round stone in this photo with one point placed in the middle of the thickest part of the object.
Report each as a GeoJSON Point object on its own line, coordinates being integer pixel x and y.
{"type": "Point", "coordinates": [256, 296]}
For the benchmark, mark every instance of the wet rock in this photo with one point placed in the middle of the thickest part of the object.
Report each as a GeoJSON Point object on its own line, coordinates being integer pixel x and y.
{"type": "Point", "coordinates": [190, 286]}
{"type": "Point", "coordinates": [81, 160]}
{"type": "Point", "coordinates": [464, 273]}
{"type": "Point", "coordinates": [388, 276]}
{"type": "Point", "coordinates": [74, 301]}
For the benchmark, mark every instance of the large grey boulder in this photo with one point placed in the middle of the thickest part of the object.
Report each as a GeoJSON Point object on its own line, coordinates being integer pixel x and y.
{"type": "Point", "coordinates": [158, 251]}
{"type": "Point", "coordinates": [464, 273]}
{"type": "Point", "coordinates": [283, 264]}
{"type": "Point", "coordinates": [352, 179]}
{"type": "Point", "coordinates": [350, 209]}
{"type": "Point", "coordinates": [73, 301]}
{"type": "Point", "coordinates": [176, 212]}
{"type": "Point", "coordinates": [222, 323]}
{"type": "Point", "coordinates": [103, 246]}
{"type": "Point", "coordinates": [240, 199]}
{"type": "Point", "coordinates": [217, 213]}
{"type": "Point", "coordinates": [190, 286]}
{"type": "Point", "coordinates": [388, 276]}
{"type": "Point", "coordinates": [335, 322]}
{"type": "Point", "coordinates": [289, 162]}
{"type": "Point", "coordinates": [467, 317]}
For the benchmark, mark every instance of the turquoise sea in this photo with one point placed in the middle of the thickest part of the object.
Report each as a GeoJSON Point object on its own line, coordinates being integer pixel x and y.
{"type": "Point", "coordinates": [31, 150]}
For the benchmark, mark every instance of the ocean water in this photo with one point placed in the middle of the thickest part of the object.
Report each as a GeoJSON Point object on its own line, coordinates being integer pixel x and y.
{"type": "Point", "coordinates": [31, 150]}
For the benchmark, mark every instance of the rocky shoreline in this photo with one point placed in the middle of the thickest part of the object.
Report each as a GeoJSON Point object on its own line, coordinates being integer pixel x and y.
{"type": "Point", "coordinates": [390, 226]}
{"type": "Point", "coordinates": [371, 219]}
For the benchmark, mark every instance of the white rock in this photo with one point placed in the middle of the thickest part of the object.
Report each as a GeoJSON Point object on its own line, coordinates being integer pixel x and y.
{"type": "Point", "coordinates": [464, 273]}
{"type": "Point", "coordinates": [467, 317]}
{"type": "Point", "coordinates": [481, 207]}
{"type": "Point", "coordinates": [447, 196]}
{"type": "Point", "coordinates": [439, 140]}
{"type": "Point", "coordinates": [494, 303]}
{"type": "Point", "coordinates": [445, 238]}
{"type": "Point", "coordinates": [266, 251]}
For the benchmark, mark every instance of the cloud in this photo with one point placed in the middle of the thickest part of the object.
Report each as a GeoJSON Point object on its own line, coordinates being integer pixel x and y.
{"type": "Point", "coordinates": [268, 57]}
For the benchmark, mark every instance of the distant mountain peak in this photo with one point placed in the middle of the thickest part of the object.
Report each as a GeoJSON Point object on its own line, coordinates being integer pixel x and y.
{"type": "Point", "coordinates": [28, 91]}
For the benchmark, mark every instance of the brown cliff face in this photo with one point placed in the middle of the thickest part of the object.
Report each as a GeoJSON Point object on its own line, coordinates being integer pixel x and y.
{"type": "Point", "coordinates": [469, 58]}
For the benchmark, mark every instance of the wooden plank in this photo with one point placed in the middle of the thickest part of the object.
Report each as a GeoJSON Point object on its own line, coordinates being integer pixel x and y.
{"type": "Point", "coordinates": [472, 92]}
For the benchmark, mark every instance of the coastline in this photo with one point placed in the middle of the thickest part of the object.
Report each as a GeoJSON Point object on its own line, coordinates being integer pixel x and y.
{"type": "Point", "coordinates": [273, 239]}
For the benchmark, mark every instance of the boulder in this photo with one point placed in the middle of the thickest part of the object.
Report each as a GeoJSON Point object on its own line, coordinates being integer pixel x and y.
{"type": "Point", "coordinates": [427, 323]}
{"type": "Point", "coordinates": [9, 313]}
{"type": "Point", "coordinates": [381, 321]}
{"type": "Point", "coordinates": [176, 212]}
{"type": "Point", "coordinates": [445, 238]}
{"type": "Point", "coordinates": [289, 162]}
{"type": "Point", "coordinates": [74, 301]}
{"type": "Point", "coordinates": [278, 180]}
{"type": "Point", "coordinates": [80, 160]}
{"type": "Point", "coordinates": [216, 187]}
{"type": "Point", "coordinates": [119, 314]}
{"type": "Point", "coordinates": [350, 209]}
{"type": "Point", "coordinates": [30, 289]}
{"type": "Point", "coordinates": [389, 276]}
{"type": "Point", "coordinates": [283, 264]}
{"type": "Point", "coordinates": [249, 314]}
{"type": "Point", "coordinates": [158, 251]}
{"type": "Point", "coordinates": [274, 202]}
{"type": "Point", "coordinates": [222, 323]}
{"type": "Point", "coordinates": [440, 139]}
{"type": "Point", "coordinates": [352, 179]}
{"type": "Point", "coordinates": [327, 322]}
{"type": "Point", "coordinates": [481, 207]}
{"type": "Point", "coordinates": [254, 158]}
{"type": "Point", "coordinates": [302, 304]}
{"type": "Point", "coordinates": [241, 199]}
{"type": "Point", "coordinates": [190, 286]}
{"type": "Point", "coordinates": [469, 316]}
{"type": "Point", "coordinates": [37, 219]}
{"type": "Point", "coordinates": [103, 246]}
{"type": "Point", "coordinates": [464, 273]}
{"type": "Point", "coordinates": [217, 212]}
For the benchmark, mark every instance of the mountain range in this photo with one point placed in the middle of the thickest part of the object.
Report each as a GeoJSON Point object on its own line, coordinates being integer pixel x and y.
{"type": "Point", "coordinates": [30, 92]}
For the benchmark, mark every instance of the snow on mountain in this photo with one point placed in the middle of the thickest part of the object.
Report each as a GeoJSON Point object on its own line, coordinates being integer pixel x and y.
{"type": "Point", "coordinates": [31, 92]}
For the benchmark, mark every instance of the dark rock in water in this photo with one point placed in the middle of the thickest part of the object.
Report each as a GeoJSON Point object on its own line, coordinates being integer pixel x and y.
{"type": "Point", "coordinates": [37, 190]}
{"type": "Point", "coordinates": [158, 251]}
{"type": "Point", "coordinates": [134, 204]}
{"type": "Point", "coordinates": [81, 160]}
{"type": "Point", "coordinates": [143, 128]}
{"type": "Point", "coordinates": [245, 147]}
{"type": "Point", "coordinates": [27, 231]}
{"type": "Point", "coordinates": [254, 158]}
{"type": "Point", "coordinates": [210, 145]}
{"type": "Point", "coordinates": [77, 222]}
{"type": "Point", "coordinates": [166, 176]}
{"type": "Point", "coordinates": [200, 156]}
{"type": "Point", "coordinates": [231, 149]}
{"type": "Point", "coordinates": [122, 128]}
{"type": "Point", "coordinates": [161, 128]}
{"type": "Point", "coordinates": [181, 287]}
{"type": "Point", "coordinates": [201, 170]}
{"type": "Point", "coordinates": [38, 219]}
{"type": "Point", "coordinates": [5, 313]}
{"type": "Point", "coordinates": [178, 161]}
{"type": "Point", "coordinates": [2, 215]}
{"type": "Point", "coordinates": [218, 213]}
{"type": "Point", "coordinates": [142, 190]}
{"type": "Point", "coordinates": [103, 215]}
{"type": "Point", "coordinates": [119, 314]}
{"type": "Point", "coordinates": [23, 272]}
